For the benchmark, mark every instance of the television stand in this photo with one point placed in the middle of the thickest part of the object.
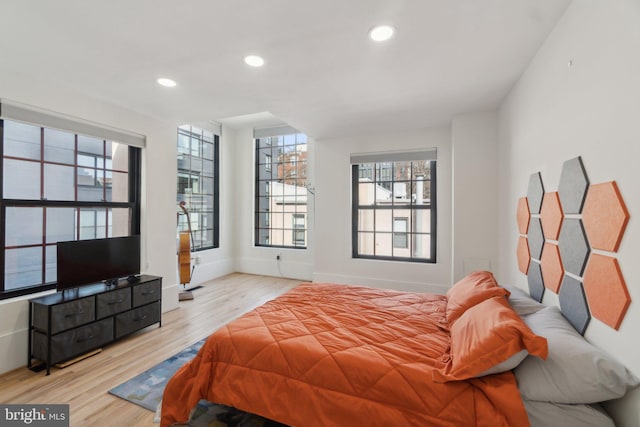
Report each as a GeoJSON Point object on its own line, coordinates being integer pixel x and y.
{"type": "Point", "coordinates": [65, 325]}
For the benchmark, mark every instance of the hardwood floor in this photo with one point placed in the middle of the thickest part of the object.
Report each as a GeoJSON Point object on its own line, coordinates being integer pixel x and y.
{"type": "Point", "coordinates": [85, 385]}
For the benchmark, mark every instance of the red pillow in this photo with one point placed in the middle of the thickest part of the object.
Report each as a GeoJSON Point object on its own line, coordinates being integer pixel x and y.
{"type": "Point", "coordinates": [487, 335]}
{"type": "Point", "coordinates": [471, 290]}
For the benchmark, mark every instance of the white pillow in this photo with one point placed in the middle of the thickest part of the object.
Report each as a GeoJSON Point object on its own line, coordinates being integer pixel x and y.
{"type": "Point", "coordinates": [521, 302]}
{"type": "Point", "coordinates": [546, 414]}
{"type": "Point", "coordinates": [575, 371]}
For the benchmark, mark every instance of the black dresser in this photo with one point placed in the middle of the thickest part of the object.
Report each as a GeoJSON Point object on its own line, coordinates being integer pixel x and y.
{"type": "Point", "coordinates": [68, 324]}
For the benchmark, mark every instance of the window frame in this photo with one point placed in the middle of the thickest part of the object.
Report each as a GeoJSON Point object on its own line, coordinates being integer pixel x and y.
{"type": "Point", "coordinates": [268, 172]}
{"type": "Point", "coordinates": [356, 175]}
{"type": "Point", "coordinates": [191, 174]}
{"type": "Point", "coordinates": [132, 205]}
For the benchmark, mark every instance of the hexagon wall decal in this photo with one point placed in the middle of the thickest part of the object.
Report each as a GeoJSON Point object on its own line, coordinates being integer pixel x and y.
{"type": "Point", "coordinates": [535, 192]}
{"type": "Point", "coordinates": [522, 215]}
{"type": "Point", "coordinates": [536, 239]}
{"type": "Point", "coordinates": [574, 248]}
{"type": "Point", "coordinates": [605, 216]}
{"type": "Point", "coordinates": [522, 252]}
{"type": "Point", "coordinates": [551, 266]}
{"type": "Point", "coordinates": [534, 280]}
{"type": "Point", "coordinates": [573, 185]}
{"type": "Point", "coordinates": [551, 215]}
{"type": "Point", "coordinates": [606, 290]}
{"type": "Point", "coordinates": [573, 304]}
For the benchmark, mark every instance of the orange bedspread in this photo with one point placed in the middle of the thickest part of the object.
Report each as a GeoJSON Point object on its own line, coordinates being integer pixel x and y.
{"type": "Point", "coordinates": [335, 355]}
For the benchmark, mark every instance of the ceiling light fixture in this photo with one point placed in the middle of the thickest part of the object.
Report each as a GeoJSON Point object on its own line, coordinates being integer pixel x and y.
{"type": "Point", "coordinates": [162, 81]}
{"type": "Point", "coordinates": [381, 33]}
{"type": "Point", "coordinates": [254, 60]}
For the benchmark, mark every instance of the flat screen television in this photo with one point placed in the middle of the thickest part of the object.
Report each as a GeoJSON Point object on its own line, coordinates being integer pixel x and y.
{"type": "Point", "coordinates": [83, 262]}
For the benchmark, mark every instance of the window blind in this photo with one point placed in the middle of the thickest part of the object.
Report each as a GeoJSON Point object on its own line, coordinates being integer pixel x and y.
{"type": "Point", "coordinates": [394, 156]}
{"type": "Point", "coordinates": [12, 110]}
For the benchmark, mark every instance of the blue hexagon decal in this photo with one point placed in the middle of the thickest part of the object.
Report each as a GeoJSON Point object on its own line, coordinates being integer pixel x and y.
{"type": "Point", "coordinates": [535, 238]}
{"type": "Point", "coordinates": [574, 247]}
{"type": "Point", "coordinates": [573, 186]}
{"type": "Point", "coordinates": [573, 304]}
{"type": "Point", "coordinates": [535, 192]}
{"type": "Point", "coordinates": [534, 279]}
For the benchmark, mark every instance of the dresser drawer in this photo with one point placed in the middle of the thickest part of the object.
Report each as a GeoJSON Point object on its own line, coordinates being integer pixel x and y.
{"type": "Point", "coordinates": [145, 293]}
{"type": "Point", "coordinates": [113, 302]}
{"type": "Point", "coordinates": [137, 318]}
{"type": "Point", "coordinates": [71, 314]}
{"type": "Point", "coordinates": [74, 342]}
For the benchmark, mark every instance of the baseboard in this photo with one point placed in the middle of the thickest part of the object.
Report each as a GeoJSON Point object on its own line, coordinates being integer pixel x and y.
{"type": "Point", "coordinates": [320, 277]}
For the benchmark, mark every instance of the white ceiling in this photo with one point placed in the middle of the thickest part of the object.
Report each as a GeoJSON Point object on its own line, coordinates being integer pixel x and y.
{"type": "Point", "coordinates": [322, 73]}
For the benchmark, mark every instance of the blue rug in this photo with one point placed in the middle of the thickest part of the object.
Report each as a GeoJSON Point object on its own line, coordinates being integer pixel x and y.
{"type": "Point", "coordinates": [146, 389]}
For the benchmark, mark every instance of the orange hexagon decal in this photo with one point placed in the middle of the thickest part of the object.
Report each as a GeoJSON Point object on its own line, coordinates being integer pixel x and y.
{"type": "Point", "coordinates": [551, 216]}
{"type": "Point", "coordinates": [551, 265]}
{"type": "Point", "coordinates": [604, 216]}
{"type": "Point", "coordinates": [523, 254]}
{"type": "Point", "coordinates": [522, 214]}
{"type": "Point", "coordinates": [606, 290]}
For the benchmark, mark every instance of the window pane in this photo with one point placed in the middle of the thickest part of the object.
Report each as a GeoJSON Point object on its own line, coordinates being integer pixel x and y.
{"type": "Point", "coordinates": [88, 224]}
{"type": "Point", "coordinates": [384, 220]}
{"type": "Point", "coordinates": [90, 182]}
{"type": "Point", "coordinates": [119, 156]}
{"type": "Point", "coordinates": [119, 222]}
{"type": "Point", "coordinates": [23, 267]}
{"type": "Point", "coordinates": [90, 145]}
{"type": "Point", "coordinates": [365, 243]}
{"type": "Point", "coordinates": [365, 220]}
{"type": "Point", "coordinates": [422, 246]}
{"type": "Point", "coordinates": [59, 146]}
{"type": "Point", "coordinates": [24, 226]}
{"type": "Point", "coordinates": [61, 224]}
{"type": "Point", "coordinates": [366, 193]}
{"type": "Point", "coordinates": [117, 186]}
{"type": "Point", "coordinates": [383, 244]}
{"type": "Point", "coordinates": [22, 180]}
{"type": "Point", "coordinates": [207, 168]}
{"type": "Point", "coordinates": [50, 268]}
{"type": "Point", "coordinates": [58, 182]}
{"type": "Point", "coordinates": [21, 140]}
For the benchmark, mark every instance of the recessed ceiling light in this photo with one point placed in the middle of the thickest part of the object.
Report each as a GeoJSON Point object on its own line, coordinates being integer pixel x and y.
{"type": "Point", "coordinates": [381, 33]}
{"type": "Point", "coordinates": [166, 82]}
{"type": "Point", "coordinates": [254, 60]}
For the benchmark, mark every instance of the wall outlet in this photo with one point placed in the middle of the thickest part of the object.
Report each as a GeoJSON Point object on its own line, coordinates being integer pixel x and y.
{"type": "Point", "coordinates": [278, 257]}
{"type": "Point", "coordinates": [196, 260]}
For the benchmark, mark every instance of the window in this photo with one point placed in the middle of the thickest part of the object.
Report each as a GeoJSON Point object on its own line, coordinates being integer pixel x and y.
{"type": "Point", "coordinates": [59, 185]}
{"type": "Point", "coordinates": [394, 206]}
{"type": "Point", "coordinates": [281, 189]}
{"type": "Point", "coordinates": [400, 236]}
{"type": "Point", "coordinates": [299, 230]}
{"type": "Point", "coordinates": [198, 185]}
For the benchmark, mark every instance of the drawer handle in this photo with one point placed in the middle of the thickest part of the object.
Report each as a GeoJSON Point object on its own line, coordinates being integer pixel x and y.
{"type": "Point", "coordinates": [140, 318]}
{"type": "Point", "coordinates": [87, 338]}
{"type": "Point", "coordinates": [81, 311]}
{"type": "Point", "coordinates": [115, 302]}
{"type": "Point", "coordinates": [151, 292]}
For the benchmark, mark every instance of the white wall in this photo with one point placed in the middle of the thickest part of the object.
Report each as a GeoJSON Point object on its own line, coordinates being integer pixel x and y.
{"type": "Point", "coordinates": [294, 263]}
{"type": "Point", "coordinates": [580, 96]}
{"type": "Point", "coordinates": [158, 205]}
{"type": "Point", "coordinates": [475, 197]}
{"type": "Point", "coordinates": [333, 260]}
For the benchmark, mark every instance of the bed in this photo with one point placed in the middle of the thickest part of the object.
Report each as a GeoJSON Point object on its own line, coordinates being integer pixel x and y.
{"type": "Point", "coordinates": [338, 355]}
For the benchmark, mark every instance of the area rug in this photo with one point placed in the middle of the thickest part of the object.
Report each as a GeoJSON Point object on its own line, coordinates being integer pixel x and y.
{"type": "Point", "coordinates": [146, 391]}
